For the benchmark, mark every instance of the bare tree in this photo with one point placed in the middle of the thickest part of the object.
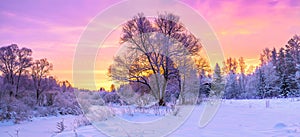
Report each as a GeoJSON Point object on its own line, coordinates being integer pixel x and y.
{"type": "Point", "coordinates": [153, 48]}
{"type": "Point", "coordinates": [265, 56]}
{"type": "Point", "coordinates": [65, 85]}
{"type": "Point", "coordinates": [13, 62]}
{"type": "Point", "coordinates": [24, 62]}
{"type": "Point", "coordinates": [242, 77]}
{"type": "Point", "coordinates": [230, 65]}
{"type": "Point", "coordinates": [202, 65]}
{"type": "Point", "coordinates": [39, 71]}
{"type": "Point", "coordinates": [8, 62]}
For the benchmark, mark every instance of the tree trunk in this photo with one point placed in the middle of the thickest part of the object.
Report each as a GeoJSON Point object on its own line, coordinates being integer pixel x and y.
{"type": "Point", "coordinates": [162, 102]}
{"type": "Point", "coordinates": [37, 96]}
{"type": "Point", "coordinates": [164, 88]}
{"type": "Point", "coordinates": [18, 82]}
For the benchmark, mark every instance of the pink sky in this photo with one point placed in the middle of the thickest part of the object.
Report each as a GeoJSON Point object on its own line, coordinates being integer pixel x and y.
{"type": "Point", "coordinates": [52, 28]}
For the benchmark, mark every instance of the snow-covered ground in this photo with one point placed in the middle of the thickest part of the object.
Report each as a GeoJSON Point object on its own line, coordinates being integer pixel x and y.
{"type": "Point", "coordinates": [235, 118]}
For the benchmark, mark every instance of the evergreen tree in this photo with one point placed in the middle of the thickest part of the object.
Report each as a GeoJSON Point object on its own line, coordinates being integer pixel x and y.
{"type": "Point", "coordinates": [286, 73]}
{"type": "Point", "coordinates": [290, 74]}
{"type": "Point", "coordinates": [294, 47]}
{"type": "Point", "coordinates": [266, 81]}
{"type": "Point", "coordinates": [262, 85]}
{"type": "Point", "coordinates": [284, 86]}
{"type": "Point", "coordinates": [250, 86]}
{"type": "Point", "coordinates": [204, 88]}
{"type": "Point", "coordinates": [280, 71]}
{"type": "Point", "coordinates": [274, 57]}
{"type": "Point", "coordinates": [280, 62]}
{"type": "Point", "coordinates": [298, 79]}
{"type": "Point", "coordinates": [217, 82]}
{"type": "Point", "coordinates": [231, 87]}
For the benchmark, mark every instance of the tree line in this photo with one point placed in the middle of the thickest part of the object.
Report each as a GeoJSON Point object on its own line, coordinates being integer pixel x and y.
{"type": "Point", "coordinates": [21, 72]}
{"type": "Point", "coordinates": [162, 56]}
{"type": "Point", "coordinates": [277, 76]}
{"type": "Point", "coordinates": [28, 90]}
{"type": "Point", "coordinates": [279, 72]}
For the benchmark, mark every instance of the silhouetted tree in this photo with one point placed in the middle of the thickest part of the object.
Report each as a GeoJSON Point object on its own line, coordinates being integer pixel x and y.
{"type": "Point", "coordinates": [13, 63]}
{"type": "Point", "coordinates": [265, 57]}
{"type": "Point", "coordinates": [24, 62]}
{"type": "Point", "coordinates": [152, 46]}
{"type": "Point", "coordinates": [242, 75]}
{"type": "Point", "coordinates": [9, 63]}
{"type": "Point", "coordinates": [230, 65]}
{"type": "Point", "coordinates": [39, 71]}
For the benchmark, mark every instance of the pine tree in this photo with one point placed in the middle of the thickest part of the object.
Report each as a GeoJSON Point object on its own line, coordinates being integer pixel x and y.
{"type": "Point", "coordinates": [204, 89]}
{"type": "Point", "coordinates": [290, 74]}
{"type": "Point", "coordinates": [286, 72]}
{"type": "Point", "coordinates": [231, 86]}
{"type": "Point", "coordinates": [218, 82]}
{"type": "Point", "coordinates": [280, 67]}
{"type": "Point", "coordinates": [298, 79]}
{"type": "Point", "coordinates": [262, 85]}
{"type": "Point", "coordinates": [284, 86]}
{"type": "Point", "coordinates": [294, 47]}
{"type": "Point", "coordinates": [274, 57]}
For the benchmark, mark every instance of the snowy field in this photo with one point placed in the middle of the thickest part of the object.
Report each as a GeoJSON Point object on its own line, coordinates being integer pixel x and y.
{"type": "Point", "coordinates": [235, 118]}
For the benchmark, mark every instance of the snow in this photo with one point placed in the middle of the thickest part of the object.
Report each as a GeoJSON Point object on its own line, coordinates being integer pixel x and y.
{"type": "Point", "coordinates": [248, 118]}
{"type": "Point", "coordinates": [43, 126]}
{"type": "Point", "coordinates": [235, 118]}
{"type": "Point", "coordinates": [140, 117]}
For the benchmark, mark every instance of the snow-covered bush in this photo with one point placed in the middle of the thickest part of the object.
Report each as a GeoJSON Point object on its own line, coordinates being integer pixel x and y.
{"type": "Point", "coordinates": [127, 95]}
{"type": "Point", "coordinates": [87, 99]}
{"type": "Point", "coordinates": [144, 100]}
{"type": "Point", "coordinates": [99, 113]}
{"type": "Point", "coordinates": [66, 103]}
{"type": "Point", "coordinates": [15, 110]}
{"type": "Point", "coordinates": [111, 97]}
{"type": "Point", "coordinates": [25, 106]}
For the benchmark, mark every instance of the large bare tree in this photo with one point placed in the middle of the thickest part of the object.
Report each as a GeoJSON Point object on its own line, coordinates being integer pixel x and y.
{"type": "Point", "coordinates": [13, 63]}
{"type": "Point", "coordinates": [153, 51]}
{"type": "Point", "coordinates": [8, 62]}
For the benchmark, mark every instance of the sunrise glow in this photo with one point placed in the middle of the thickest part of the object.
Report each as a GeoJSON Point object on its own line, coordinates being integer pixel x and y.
{"type": "Point", "coordinates": [52, 29]}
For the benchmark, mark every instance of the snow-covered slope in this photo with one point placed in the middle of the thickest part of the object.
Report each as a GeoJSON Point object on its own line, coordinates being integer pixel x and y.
{"type": "Point", "coordinates": [235, 118]}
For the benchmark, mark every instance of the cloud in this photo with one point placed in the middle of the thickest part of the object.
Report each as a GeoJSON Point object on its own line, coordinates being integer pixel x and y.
{"type": "Point", "coordinates": [7, 14]}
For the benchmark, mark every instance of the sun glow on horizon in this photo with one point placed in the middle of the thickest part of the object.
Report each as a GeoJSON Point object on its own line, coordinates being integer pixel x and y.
{"type": "Point", "coordinates": [244, 28]}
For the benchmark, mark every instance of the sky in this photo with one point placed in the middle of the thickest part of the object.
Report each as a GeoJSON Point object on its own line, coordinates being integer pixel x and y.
{"type": "Point", "coordinates": [53, 28]}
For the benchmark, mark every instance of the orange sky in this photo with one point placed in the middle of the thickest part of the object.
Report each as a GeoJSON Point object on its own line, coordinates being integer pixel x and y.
{"type": "Point", "coordinates": [52, 29]}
